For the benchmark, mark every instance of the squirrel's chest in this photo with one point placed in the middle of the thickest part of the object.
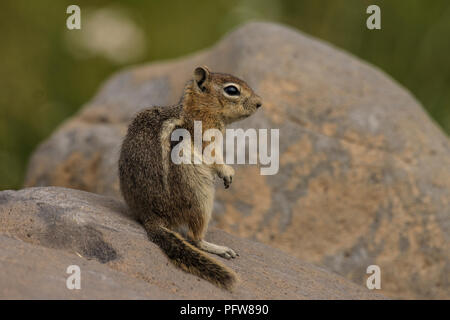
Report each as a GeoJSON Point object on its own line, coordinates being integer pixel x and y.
{"type": "Point", "coordinates": [197, 184]}
{"type": "Point", "coordinates": [198, 176]}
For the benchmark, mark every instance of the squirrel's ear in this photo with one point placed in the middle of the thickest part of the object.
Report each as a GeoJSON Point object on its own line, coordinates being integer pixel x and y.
{"type": "Point", "coordinates": [201, 76]}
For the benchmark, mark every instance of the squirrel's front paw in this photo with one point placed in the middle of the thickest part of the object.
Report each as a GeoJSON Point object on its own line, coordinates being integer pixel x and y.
{"type": "Point", "coordinates": [226, 173]}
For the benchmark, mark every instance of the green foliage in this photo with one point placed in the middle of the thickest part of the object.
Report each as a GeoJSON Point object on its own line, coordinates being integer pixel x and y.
{"type": "Point", "coordinates": [45, 79]}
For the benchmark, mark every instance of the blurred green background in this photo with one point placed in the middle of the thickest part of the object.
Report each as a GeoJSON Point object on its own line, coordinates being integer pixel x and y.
{"type": "Point", "coordinates": [47, 72]}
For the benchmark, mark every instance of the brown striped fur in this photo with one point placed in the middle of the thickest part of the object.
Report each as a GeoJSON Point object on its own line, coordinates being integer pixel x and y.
{"type": "Point", "coordinates": [164, 196]}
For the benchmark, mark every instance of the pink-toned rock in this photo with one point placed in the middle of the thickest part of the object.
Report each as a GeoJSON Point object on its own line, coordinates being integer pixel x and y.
{"type": "Point", "coordinates": [44, 230]}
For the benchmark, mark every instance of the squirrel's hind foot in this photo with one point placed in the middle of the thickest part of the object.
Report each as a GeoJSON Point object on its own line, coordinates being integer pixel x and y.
{"type": "Point", "coordinates": [221, 251]}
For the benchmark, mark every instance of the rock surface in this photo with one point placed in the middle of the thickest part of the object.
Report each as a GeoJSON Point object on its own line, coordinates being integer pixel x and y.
{"type": "Point", "coordinates": [364, 173]}
{"type": "Point", "coordinates": [45, 230]}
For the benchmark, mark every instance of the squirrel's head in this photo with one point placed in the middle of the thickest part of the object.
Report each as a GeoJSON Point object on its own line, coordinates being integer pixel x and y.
{"type": "Point", "coordinates": [220, 95]}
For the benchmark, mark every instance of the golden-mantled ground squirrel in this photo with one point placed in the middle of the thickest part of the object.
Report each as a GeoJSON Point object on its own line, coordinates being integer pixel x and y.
{"type": "Point", "coordinates": [165, 196]}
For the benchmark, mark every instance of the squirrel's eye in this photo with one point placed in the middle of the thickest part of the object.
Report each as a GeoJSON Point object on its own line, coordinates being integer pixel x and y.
{"type": "Point", "coordinates": [231, 90]}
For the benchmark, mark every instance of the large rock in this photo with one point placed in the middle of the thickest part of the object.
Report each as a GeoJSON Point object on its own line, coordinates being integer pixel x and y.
{"type": "Point", "coordinates": [45, 230]}
{"type": "Point", "coordinates": [364, 173]}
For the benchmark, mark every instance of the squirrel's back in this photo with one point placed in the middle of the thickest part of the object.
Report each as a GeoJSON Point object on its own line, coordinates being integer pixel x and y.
{"type": "Point", "coordinates": [141, 165]}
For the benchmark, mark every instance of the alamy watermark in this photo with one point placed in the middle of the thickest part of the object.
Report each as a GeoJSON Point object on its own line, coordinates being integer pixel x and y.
{"type": "Point", "coordinates": [373, 281]}
{"type": "Point", "coordinates": [74, 280]}
{"type": "Point", "coordinates": [74, 20]}
{"type": "Point", "coordinates": [258, 145]}
{"type": "Point", "coordinates": [374, 20]}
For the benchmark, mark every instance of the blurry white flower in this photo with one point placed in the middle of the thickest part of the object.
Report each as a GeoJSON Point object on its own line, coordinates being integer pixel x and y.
{"type": "Point", "coordinates": [107, 32]}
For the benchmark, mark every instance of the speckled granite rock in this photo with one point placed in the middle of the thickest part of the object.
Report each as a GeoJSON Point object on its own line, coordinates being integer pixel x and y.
{"type": "Point", "coordinates": [364, 173]}
{"type": "Point", "coordinates": [44, 230]}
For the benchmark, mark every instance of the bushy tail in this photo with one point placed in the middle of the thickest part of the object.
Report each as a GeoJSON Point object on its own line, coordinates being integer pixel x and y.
{"type": "Point", "coordinates": [189, 258]}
